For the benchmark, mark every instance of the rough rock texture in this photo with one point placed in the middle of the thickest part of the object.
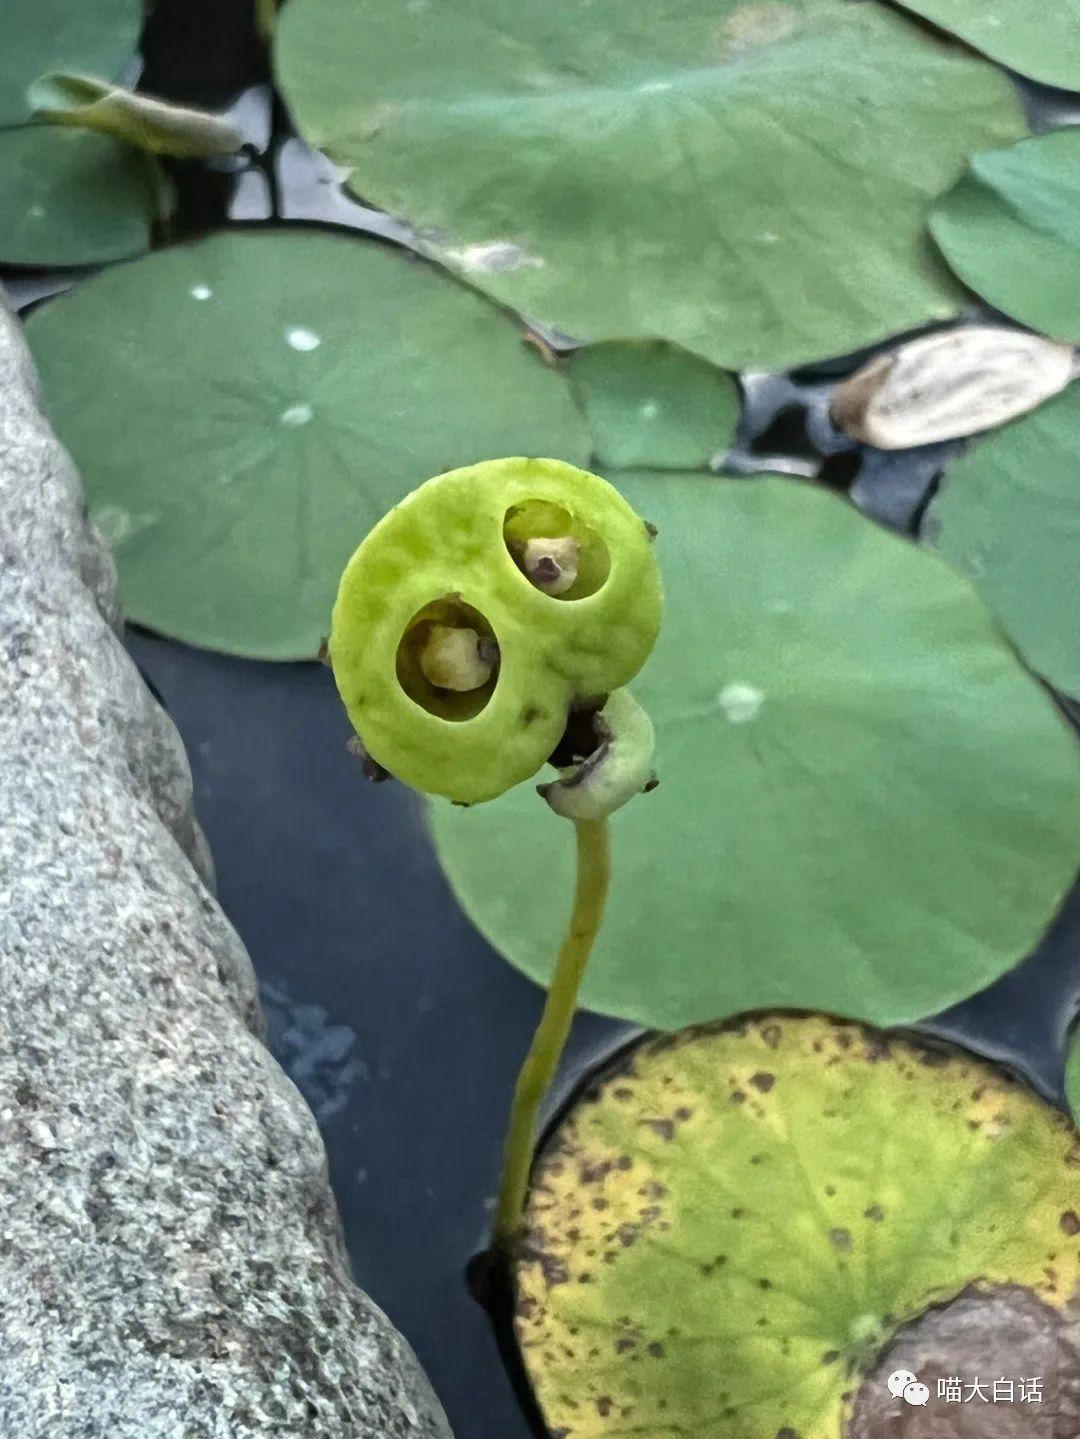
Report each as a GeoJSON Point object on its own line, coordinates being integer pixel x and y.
{"type": "Point", "coordinates": [998, 1336]}
{"type": "Point", "coordinates": [171, 1264]}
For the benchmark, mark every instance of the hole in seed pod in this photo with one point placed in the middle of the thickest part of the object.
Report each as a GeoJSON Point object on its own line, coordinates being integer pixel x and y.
{"type": "Point", "coordinates": [448, 659]}
{"type": "Point", "coordinates": [555, 552]}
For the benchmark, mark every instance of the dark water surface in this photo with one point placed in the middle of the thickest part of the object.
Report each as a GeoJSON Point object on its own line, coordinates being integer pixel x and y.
{"type": "Point", "coordinates": [403, 1029]}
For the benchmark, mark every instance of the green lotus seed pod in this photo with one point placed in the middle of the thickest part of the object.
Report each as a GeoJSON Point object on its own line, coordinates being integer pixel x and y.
{"type": "Point", "coordinates": [548, 625]}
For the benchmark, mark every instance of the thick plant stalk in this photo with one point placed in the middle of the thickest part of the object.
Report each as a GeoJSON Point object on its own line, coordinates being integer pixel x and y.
{"type": "Point", "coordinates": [541, 1062]}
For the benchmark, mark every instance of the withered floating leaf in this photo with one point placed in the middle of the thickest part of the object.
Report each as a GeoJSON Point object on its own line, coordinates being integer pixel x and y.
{"type": "Point", "coordinates": [950, 384]}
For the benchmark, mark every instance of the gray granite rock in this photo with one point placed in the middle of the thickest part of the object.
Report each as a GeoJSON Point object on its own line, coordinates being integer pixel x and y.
{"type": "Point", "coordinates": [171, 1262]}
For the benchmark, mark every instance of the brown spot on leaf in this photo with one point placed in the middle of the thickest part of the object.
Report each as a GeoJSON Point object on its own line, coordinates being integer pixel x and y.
{"type": "Point", "coordinates": [763, 1081]}
{"type": "Point", "coordinates": [665, 1128]}
{"type": "Point", "coordinates": [1069, 1223]}
{"type": "Point", "coordinates": [840, 1238]}
{"type": "Point", "coordinates": [875, 1212]}
{"type": "Point", "coordinates": [594, 1173]}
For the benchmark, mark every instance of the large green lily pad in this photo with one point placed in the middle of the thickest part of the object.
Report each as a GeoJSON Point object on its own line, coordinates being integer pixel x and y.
{"type": "Point", "coordinates": [1011, 230]}
{"type": "Point", "coordinates": [1042, 41]}
{"type": "Point", "coordinates": [732, 1225]}
{"type": "Point", "coordinates": [244, 409]}
{"type": "Point", "coordinates": [749, 179]}
{"type": "Point", "coordinates": [650, 405]}
{"type": "Point", "coordinates": [72, 198]}
{"type": "Point", "coordinates": [866, 804]}
{"type": "Point", "coordinates": [1008, 512]}
{"type": "Point", "coordinates": [40, 35]}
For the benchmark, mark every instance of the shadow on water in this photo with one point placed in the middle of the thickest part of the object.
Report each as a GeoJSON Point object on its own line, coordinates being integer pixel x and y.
{"type": "Point", "coordinates": [401, 1027]}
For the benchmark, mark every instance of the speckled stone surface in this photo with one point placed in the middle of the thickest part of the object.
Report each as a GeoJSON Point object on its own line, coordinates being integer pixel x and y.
{"type": "Point", "coordinates": [171, 1263]}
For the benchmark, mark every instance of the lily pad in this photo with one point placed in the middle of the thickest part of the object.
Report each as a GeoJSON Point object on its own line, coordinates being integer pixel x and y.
{"type": "Point", "coordinates": [72, 198]}
{"type": "Point", "coordinates": [650, 405]}
{"type": "Point", "coordinates": [1011, 230]}
{"type": "Point", "coordinates": [1008, 513]}
{"type": "Point", "coordinates": [41, 35]}
{"type": "Point", "coordinates": [582, 163]}
{"type": "Point", "coordinates": [244, 409]}
{"type": "Point", "coordinates": [866, 804]}
{"type": "Point", "coordinates": [734, 1224]}
{"type": "Point", "coordinates": [1041, 41]}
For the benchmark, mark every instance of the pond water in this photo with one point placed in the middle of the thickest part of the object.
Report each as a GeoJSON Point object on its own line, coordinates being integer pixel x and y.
{"type": "Point", "coordinates": [400, 1025]}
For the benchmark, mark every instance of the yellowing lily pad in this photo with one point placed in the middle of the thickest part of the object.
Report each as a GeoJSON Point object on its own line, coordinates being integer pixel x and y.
{"type": "Point", "coordinates": [866, 804]}
{"type": "Point", "coordinates": [243, 410]}
{"type": "Point", "coordinates": [727, 1231]}
{"type": "Point", "coordinates": [749, 179]}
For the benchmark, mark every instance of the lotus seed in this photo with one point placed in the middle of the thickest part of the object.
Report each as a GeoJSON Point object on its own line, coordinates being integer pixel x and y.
{"type": "Point", "coordinates": [451, 659]}
{"type": "Point", "coordinates": [552, 564]}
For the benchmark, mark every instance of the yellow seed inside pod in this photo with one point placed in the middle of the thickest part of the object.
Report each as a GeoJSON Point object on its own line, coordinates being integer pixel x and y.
{"type": "Point", "coordinates": [450, 659]}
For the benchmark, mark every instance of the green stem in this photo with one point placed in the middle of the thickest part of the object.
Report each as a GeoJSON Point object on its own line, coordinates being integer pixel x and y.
{"type": "Point", "coordinates": [542, 1060]}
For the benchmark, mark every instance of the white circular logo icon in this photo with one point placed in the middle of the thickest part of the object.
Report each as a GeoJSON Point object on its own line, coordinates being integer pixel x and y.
{"type": "Point", "coordinates": [900, 1380]}
{"type": "Point", "coordinates": [916, 1393]}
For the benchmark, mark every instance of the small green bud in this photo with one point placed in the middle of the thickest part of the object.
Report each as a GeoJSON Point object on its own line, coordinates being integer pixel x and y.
{"type": "Point", "coordinates": [615, 771]}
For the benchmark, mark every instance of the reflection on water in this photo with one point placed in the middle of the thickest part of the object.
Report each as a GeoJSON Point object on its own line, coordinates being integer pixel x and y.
{"type": "Point", "coordinates": [320, 1057]}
